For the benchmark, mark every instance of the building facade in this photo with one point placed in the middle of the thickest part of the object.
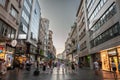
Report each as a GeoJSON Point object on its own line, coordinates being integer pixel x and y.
{"type": "Point", "coordinates": [51, 49]}
{"type": "Point", "coordinates": [10, 12]}
{"type": "Point", "coordinates": [71, 44]}
{"type": "Point", "coordinates": [103, 31]}
{"type": "Point", "coordinates": [29, 27]}
{"type": "Point", "coordinates": [44, 35]}
{"type": "Point", "coordinates": [83, 39]}
{"type": "Point", "coordinates": [67, 49]}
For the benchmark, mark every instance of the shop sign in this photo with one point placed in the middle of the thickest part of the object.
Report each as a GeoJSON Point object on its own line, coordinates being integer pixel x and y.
{"type": "Point", "coordinates": [14, 43]}
{"type": "Point", "coordinates": [1, 49]}
{"type": "Point", "coordinates": [2, 44]}
{"type": "Point", "coordinates": [113, 52]}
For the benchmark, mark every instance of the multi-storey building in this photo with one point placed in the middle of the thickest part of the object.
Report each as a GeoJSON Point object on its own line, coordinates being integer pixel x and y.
{"type": "Point", "coordinates": [51, 49]}
{"type": "Point", "coordinates": [83, 39]}
{"type": "Point", "coordinates": [64, 55]}
{"type": "Point", "coordinates": [30, 24]}
{"type": "Point", "coordinates": [104, 31]}
{"type": "Point", "coordinates": [24, 25]}
{"type": "Point", "coordinates": [67, 48]}
{"type": "Point", "coordinates": [71, 44]}
{"type": "Point", "coordinates": [10, 11]}
{"type": "Point", "coordinates": [44, 35]}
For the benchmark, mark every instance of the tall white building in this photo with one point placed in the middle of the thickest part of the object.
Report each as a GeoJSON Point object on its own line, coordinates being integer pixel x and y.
{"type": "Point", "coordinates": [29, 27]}
{"type": "Point", "coordinates": [102, 23]}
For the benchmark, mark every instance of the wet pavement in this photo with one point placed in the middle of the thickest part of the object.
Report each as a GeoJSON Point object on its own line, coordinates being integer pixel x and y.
{"type": "Point", "coordinates": [81, 74]}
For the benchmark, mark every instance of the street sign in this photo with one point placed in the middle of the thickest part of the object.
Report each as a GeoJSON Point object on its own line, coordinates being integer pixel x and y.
{"type": "Point", "coordinates": [14, 43]}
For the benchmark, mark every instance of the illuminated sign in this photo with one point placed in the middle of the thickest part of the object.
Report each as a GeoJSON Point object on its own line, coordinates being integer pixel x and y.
{"type": "Point", "coordinates": [112, 52]}
{"type": "Point", "coordinates": [1, 49]}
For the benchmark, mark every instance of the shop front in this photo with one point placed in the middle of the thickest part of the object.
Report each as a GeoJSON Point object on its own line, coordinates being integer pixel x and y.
{"type": "Point", "coordinates": [2, 51]}
{"type": "Point", "coordinates": [109, 55]}
{"type": "Point", "coordinates": [21, 58]}
{"type": "Point", "coordinates": [6, 52]}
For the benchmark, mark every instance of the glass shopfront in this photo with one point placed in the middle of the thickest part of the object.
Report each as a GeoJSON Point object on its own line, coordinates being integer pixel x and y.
{"type": "Point", "coordinates": [107, 56]}
{"type": "Point", "coordinates": [105, 60]}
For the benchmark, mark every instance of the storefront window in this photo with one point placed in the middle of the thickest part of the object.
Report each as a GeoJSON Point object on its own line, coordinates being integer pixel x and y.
{"type": "Point", "coordinates": [105, 61]}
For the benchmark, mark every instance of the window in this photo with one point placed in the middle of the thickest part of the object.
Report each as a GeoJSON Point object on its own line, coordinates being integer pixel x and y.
{"type": "Point", "coordinates": [111, 32]}
{"type": "Point", "coordinates": [2, 2]}
{"type": "Point", "coordinates": [1, 26]}
{"type": "Point", "coordinates": [30, 1]}
{"type": "Point", "coordinates": [13, 12]}
{"type": "Point", "coordinates": [9, 32]}
{"type": "Point", "coordinates": [115, 30]}
{"type": "Point", "coordinates": [13, 34]}
{"type": "Point", "coordinates": [25, 28]}
{"type": "Point", "coordinates": [97, 9]}
{"type": "Point", "coordinates": [104, 18]}
{"type": "Point", "coordinates": [104, 1]}
{"type": "Point", "coordinates": [101, 3]}
{"type": "Point", "coordinates": [26, 18]}
{"type": "Point", "coordinates": [5, 30]}
{"type": "Point", "coordinates": [27, 6]}
{"type": "Point", "coordinates": [107, 35]}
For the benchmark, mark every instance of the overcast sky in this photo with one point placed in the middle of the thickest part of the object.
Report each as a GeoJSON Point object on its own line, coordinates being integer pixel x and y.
{"type": "Point", "coordinates": [61, 14]}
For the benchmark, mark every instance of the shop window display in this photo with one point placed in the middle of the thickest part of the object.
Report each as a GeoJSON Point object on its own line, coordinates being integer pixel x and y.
{"type": "Point", "coordinates": [105, 61]}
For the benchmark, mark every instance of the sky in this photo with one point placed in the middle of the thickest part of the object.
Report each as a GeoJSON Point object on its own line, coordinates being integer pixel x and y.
{"type": "Point", "coordinates": [62, 15]}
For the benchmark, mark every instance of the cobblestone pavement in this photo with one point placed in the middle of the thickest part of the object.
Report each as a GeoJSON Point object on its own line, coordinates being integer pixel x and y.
{"type": "Point", "coordinates": [81, 74]}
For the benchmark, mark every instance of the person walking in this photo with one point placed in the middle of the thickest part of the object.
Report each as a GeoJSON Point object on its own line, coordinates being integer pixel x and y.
{"type": "Point", "coordinates": [58, 65]}
{"type": "Point", "coordinates": [44, 67]}
{"type": "Point", "coordinates": [63, 67]}
{"type": "Point", "coordinates": [96, 67]}
{"type": "Point", "coordinates": [73, 67]}
{"type": "Point", "coordinates": [119, 67]}
{"type": "Point", "coordinates": [113, 66]}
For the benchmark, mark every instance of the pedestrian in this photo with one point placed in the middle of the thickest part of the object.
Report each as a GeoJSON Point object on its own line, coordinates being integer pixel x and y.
{"type": "Point", "coordinates": [100, 64]}
{"type": "Point", "coordinates": [96, 67]}
{"type": "Point", "coordinates": [63, 67]}
{"type": "Point", "coordinates": [17, 64]}
{"type": "Point", "coordinates": [44, 66]}
{"type": "Point", "coordinates": [3, 68]}
{"type": "Point", "coordinates": [28, 65]}
{"type": "Point", "coordinates": [113, 66]}
{"type": "Point", "coordinates": [58, 65]}
{"type": "Point", "coordinates": [119, 67]}
{"type": "Point", "coordinates": [73, 67]}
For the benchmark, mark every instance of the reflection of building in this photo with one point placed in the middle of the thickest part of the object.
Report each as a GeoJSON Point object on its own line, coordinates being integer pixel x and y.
{"type": "Point", "coordinates": [9, 22]}
{"type": "Point", "coordinates": [103, 27]}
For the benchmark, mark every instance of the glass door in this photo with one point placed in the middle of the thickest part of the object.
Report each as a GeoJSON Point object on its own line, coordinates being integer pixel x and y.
{"type": "Point", "coordinates": [115, 59]}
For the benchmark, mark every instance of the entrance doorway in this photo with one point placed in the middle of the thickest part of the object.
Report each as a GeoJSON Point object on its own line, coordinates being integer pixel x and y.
{"type": "Point", "coordinates": [115, 59]}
